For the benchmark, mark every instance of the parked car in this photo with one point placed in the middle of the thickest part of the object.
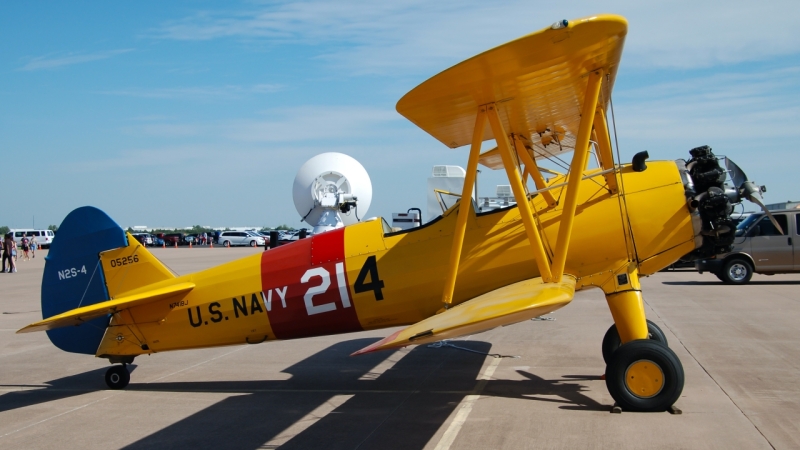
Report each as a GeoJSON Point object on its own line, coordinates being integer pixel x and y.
{"type": "Point", "coordinates": [144, 238]}
{"type": "Point", "coordinates": [233, 238]}
{"type": "Point", "coordinates": [262, 234]}
{"type": "Point", "coordinates": [175, 238]}
{"type": "Point", "coordinates": [759, 248]}
{"type": "Point", "coordinates": [293, 235]}
{"type": "Point", "coordinates": [157, 241]}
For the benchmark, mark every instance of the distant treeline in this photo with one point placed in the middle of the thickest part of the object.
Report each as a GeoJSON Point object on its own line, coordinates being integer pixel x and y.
{"type": "Point", "coordinates": [197, 229]}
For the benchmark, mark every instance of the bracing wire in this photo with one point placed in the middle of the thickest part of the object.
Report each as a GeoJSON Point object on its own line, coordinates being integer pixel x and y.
{"type": "Point", "coordinates": [626, 217]}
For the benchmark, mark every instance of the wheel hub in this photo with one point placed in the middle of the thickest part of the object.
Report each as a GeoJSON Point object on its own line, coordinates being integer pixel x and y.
{"type": "Point", "coordinates": [644, 379]}
{"type": "Point", "coordinates": [114, 378]}
{"type": "Point", "coordinates": [738, 272]}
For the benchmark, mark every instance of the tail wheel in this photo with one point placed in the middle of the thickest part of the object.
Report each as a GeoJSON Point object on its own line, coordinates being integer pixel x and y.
{"type": "Point", "coordinates": [117, 377]}
{"type": "Point", "coordinates": [253, 243]}
{"type": "Point", "coordinates": [737, 271]}
{"type": "Point", "coordinates": [644, 375]}
{"type": "Point", "coordinates": [612, 341]}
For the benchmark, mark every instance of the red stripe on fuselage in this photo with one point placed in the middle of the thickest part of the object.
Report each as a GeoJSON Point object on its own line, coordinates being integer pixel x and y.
{"type": "Point", "coordinates": [327, 247]}
{"type": "Point", "coordinates": [302, 291]}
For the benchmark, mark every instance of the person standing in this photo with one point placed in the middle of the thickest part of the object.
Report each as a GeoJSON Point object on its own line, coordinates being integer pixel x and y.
{"type": "Point", "coordinates": [25, 249]}
{"type": "Point", "coordinates": [33, 245]}
{"type": "Point", "coordinates": [9, 252]}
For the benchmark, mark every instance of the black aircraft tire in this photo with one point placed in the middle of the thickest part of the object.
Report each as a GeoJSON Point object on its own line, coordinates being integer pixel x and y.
{"type": "Point", "coordinates": [612, 341]}
{"type": "Point", "coordinates": [644, 375]}
{"type": "Point", "coordinates": [118, 377]}
{"type": "Point", "coordinates": [737, 271]}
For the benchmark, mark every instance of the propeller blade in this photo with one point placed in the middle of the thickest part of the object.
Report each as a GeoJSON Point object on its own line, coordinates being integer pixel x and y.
{"type": "Point", "coordinates": [757, 201]}
{"type": "Point", "coordinates": [736, 173]}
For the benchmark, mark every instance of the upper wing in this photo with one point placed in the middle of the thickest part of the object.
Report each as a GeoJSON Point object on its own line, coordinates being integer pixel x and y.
{"type": "Point", "coordinates": [537, 81]}
{"type": "Point", "coordinates": [510, 304]}
{"type": "Point", "coordinates": [78, 316]}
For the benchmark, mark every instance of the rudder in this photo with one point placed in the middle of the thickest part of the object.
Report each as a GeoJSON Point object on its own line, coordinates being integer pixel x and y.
{"type": "Point", "coordinates": [132, 267]}
{"type": "Point", "coordinates": [73, 275]}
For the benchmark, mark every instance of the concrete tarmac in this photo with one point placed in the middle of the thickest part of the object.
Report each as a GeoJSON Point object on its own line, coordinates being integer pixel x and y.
{"type": "Point", "coordinates": [738, 345]}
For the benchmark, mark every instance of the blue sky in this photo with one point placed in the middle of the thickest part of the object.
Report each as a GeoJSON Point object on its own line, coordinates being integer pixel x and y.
{"type": "Point", "coordinates": [182, 113]}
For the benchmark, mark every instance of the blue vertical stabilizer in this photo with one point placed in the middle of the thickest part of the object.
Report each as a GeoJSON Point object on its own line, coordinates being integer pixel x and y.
{"type": "Point", "coordinates": [73, 276]}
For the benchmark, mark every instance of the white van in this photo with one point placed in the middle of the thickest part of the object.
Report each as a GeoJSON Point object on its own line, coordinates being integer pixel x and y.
{"type": "Point", "coordinates": [43, 237]}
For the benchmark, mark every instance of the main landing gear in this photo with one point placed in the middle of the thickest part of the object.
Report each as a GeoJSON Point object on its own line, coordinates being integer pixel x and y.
{"type": "Point", "coordinates": [643, 374]}
{"type": "Point", "coordinates": [117, 377]}
{"type": "Point", "coordinates": [612, 341]}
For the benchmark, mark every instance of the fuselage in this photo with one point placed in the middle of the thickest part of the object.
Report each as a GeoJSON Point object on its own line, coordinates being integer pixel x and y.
{"type": "Point", "coordinates": [365, 276]}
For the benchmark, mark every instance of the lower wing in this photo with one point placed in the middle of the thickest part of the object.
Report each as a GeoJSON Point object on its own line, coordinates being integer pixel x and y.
{"type": "Point", "coordinates": [509, 304]}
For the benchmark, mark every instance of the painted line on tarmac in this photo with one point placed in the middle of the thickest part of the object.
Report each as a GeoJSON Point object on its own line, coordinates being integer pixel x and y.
{"type": "Point", "coordinates": [59, 415]}
{"type": "Point", "coordinates": [117, 393]}
{"type": "Point", "coordinates": [198, 364]}
{"type": "Point", "coordinates": [385, 365]}
{"type": "Point", "coordinates": [709, 375]}
{"type": "Point", "coordinates": [465, 407]}
{"type": "Point", "coordinates": [306, 421]}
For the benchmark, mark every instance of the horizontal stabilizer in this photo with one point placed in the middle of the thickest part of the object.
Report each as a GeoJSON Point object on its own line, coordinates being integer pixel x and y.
{"type": "Point", "coordinates": [81, 315]}
{"type": "Point", "coordinates": [510, 304]}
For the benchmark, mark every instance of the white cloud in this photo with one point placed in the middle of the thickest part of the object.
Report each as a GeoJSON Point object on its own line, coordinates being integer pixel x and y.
{"type": "Point", "coordinates": [690, 34]}
{"type": "Point", "coordinates": [749, 117]}
{"type": "Point", "coordinates": [381, 37]}
{"type": "Point", "coordinates": [314, 123]}
{"type": "Point", "coordinates": [727, 104]}
{"type": "Point", "coordinates": [198, 92]}
{"type": "Point", "coordinates": [51, 62]}
{"type": "Point", "coordinates": [297, 125]}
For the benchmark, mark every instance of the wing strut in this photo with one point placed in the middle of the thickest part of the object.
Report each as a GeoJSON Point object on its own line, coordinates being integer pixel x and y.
{"type": "Point", "coordinates": [579, 158]}
{"type": "Point", "coordinates": [604, 143]}
{"type": "Point", "coordinates": [532, 169]}
{"type": "Point", "coordinates": [576, 172]}
{"type": "Point", "coordinates": [463, 209]}
{"type": "Point", "coordinates": [542, 261]}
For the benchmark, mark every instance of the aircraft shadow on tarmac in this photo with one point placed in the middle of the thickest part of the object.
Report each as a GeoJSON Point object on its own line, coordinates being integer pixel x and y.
{"type": "Point", "coordinates": [402, 408]}
{"type": "Point", "coordinates": [561, 391]}
{"type": "Point", "coordinates": [71, 386]}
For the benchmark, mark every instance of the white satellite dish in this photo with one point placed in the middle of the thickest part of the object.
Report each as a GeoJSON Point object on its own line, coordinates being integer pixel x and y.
{"type": "Point", "coordinates": [331, 190]}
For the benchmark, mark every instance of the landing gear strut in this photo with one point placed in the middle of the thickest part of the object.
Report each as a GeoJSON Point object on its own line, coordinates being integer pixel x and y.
{"type": "Point", "coordinates": [612, 341]}
{"type": "Point", "coordinates": [117, 377]}
{"type": "Point", "coordinates": [643, 374]}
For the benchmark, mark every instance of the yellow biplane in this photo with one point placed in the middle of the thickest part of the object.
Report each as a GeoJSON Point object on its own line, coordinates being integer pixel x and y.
{"type": "Point", "coordinates": [541, 97]}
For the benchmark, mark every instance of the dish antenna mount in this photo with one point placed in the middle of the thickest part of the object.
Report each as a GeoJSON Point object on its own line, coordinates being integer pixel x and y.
{"type": "Point", "coordinates": [331, 190]}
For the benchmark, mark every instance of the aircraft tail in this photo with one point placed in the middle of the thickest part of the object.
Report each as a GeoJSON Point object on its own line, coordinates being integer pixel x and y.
{"type": "Point", "coordinates": [91, 261]}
